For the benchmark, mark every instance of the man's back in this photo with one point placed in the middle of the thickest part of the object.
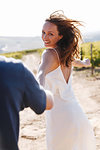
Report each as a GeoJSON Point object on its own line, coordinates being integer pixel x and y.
{"type": "Point", "coordinates": [18, 89]}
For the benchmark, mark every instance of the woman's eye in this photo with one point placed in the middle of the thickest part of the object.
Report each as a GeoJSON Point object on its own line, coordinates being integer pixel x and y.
{"type": "Point", "coordinates": [50, 34]}
{"type": "Point", "coordinates": [43, 32]}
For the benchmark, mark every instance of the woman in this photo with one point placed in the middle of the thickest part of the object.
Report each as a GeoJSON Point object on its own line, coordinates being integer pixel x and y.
{"type": "Point", "coordinates": [67, 126]}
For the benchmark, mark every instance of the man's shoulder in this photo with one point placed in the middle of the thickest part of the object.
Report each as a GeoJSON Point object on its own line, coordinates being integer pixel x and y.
{"type": "Point", "coordinates": [11, 64]}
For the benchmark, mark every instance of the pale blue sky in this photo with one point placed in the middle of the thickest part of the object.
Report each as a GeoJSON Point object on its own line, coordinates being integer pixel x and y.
{"type": "Point", "coordinates": [26, 17]}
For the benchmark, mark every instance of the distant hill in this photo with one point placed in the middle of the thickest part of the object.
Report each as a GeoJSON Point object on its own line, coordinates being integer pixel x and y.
{"type": "Point", "coordinates": [11, 44]}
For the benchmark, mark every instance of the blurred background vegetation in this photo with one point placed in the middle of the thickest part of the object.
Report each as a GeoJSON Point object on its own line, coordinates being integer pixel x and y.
{"type": "Point", "coordinates": [20, 54]}
{"type": "Point", "coordinates": [91, 51]}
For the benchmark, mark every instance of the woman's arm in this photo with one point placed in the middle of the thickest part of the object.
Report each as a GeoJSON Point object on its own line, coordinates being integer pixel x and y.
{"type": "Point", "coordinates": [49, 62]}
{"type": "Point", "coordinates": [49, 100]}
{"type": "Point", "coordinates": [81, 63]}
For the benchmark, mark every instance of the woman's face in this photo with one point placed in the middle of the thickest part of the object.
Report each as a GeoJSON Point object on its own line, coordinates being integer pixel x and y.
{"type": "Point", "coordinates": [50, 35]}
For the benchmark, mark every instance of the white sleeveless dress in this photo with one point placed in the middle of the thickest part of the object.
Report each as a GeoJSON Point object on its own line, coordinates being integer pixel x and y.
{"type": "Point", "coordinates": [67, 126]}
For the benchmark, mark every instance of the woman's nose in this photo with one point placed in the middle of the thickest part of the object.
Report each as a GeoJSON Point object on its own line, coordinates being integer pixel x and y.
{"type": "Point", "coordinates": [45, 37]}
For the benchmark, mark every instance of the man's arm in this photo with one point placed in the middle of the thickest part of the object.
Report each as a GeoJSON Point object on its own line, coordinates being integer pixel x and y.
{"type": "Point", "coordinates": [35, 96]}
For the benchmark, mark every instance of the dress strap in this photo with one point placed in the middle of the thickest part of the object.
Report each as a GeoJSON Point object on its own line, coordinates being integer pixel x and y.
{"type": "Point", "coordinates": [57, 55]}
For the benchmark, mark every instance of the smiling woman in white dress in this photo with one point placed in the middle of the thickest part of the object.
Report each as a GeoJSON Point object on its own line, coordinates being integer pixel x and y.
{"type": "Point", "coordinates": [66, 124]}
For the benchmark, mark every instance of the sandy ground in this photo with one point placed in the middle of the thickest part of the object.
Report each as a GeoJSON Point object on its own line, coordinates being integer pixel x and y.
{"type": "Point", "coordinates": [87, 91]}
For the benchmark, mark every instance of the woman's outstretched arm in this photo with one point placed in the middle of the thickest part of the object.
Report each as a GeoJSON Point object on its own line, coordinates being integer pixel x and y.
{"type": "Point", "coordinates": [81, 63]}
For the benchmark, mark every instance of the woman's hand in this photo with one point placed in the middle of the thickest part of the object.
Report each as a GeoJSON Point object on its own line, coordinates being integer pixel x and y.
{"type": "Point", "coordinates": [86, 62]}
{"type": "Point", "coordinates": [81, 63]}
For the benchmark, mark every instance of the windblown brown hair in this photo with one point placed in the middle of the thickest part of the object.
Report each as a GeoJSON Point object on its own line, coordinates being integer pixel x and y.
{"type": "Point", "coordinates": [68, 46]}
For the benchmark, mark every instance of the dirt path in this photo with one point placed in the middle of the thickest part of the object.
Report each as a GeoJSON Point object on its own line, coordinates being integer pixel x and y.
{"type": "Point", "coordinates": [87, 90]}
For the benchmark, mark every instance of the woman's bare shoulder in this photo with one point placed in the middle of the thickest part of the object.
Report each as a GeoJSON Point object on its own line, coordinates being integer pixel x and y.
{"type": "Point", "coordinates": [49, 60]}
{"type": "Point", "coordinates": [51, 55]}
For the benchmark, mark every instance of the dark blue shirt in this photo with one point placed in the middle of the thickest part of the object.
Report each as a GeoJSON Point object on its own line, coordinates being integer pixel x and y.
{"type": "Point", "coordinates": [18, 90]}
